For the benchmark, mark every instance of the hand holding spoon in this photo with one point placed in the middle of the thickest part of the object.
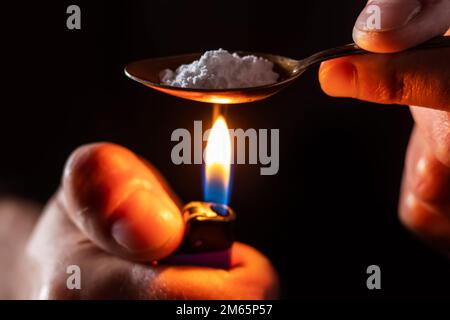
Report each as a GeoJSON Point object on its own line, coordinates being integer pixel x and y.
{"type": "Point", "coordinates": [147, 72]}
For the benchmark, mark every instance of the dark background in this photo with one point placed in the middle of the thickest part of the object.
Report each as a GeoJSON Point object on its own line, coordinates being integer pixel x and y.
{"type": "Point", "coordinates": [330, 211]}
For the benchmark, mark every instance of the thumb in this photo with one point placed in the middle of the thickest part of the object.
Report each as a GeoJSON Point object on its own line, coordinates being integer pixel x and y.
{"type": "Point", "coordinates": [394, 25]}
{"type": "Point", "coordinates": [120, 203]}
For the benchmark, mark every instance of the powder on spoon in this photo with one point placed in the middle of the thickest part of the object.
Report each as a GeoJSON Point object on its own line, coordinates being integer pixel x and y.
{"type": "Point", "coordinates": [219, 69]}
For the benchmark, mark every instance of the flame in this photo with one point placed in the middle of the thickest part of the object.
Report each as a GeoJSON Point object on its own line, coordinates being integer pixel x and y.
{"type": "Point", "coordinates": [218, 163]}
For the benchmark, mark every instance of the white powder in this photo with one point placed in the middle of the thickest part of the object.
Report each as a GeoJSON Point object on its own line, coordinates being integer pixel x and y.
{"type": "Point", "coordinates": [219, 69]}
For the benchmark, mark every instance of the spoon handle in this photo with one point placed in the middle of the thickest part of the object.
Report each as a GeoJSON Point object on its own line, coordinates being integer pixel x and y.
{"type": "Point", "coordinates": [353, 49]}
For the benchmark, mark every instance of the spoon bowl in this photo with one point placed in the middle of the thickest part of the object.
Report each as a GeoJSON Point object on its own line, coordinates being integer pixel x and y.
{"type": "Point", "coordinates": [147, 72]}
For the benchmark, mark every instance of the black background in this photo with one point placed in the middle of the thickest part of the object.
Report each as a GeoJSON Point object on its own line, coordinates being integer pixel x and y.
{"type": "Point", "coordinates": [330, 212]}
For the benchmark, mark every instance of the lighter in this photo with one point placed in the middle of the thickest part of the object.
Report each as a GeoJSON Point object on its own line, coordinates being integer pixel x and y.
{"type": "Point", "coordinates": [208, 225]}
{"type": "Point", "coordinates": [208, 236]}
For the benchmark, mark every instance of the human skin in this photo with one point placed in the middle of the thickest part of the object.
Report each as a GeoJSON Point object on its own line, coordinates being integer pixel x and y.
{"type": "Point", "coordinates": [420, 79]}
{"type": "Point", "coordinates": [113, 216]}
{"type": "Point", "coordinates": [105, 183]}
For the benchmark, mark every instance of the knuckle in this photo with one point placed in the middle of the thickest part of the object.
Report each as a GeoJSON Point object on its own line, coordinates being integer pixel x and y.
{"type": "Point", "coordinates": [402, 82]}
{"type": "Point", "coordinates": [88, 157]}
{"type": "Point", "coordinates": [400, 88]}
{"type": "Point", "coordinates": [431, 181]}
{"type": "Point", "coordinates": [426, 220]}
{"type": "Point", "coordinates": [91, 173]}
{"type": "Point", "coordinates": [413, 216]}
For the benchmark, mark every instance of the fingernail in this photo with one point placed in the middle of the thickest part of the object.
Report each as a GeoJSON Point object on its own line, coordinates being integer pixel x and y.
{"type": "Point", "coordinates": [144, 222]}
{"type": "Point", "coordinates": [385, 15]}
{"type": "Point", "coordinates": [124, 235]}
{"type": "Point", "coordinates": [338, 78]}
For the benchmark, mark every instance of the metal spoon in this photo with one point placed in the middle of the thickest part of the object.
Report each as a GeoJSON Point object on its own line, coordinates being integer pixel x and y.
{"type": "Point", "coordinates": [147, 72]}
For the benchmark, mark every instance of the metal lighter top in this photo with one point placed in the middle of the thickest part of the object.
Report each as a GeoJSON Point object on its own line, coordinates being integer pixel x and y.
{"type": "Point", "coordinates": [208, 227]}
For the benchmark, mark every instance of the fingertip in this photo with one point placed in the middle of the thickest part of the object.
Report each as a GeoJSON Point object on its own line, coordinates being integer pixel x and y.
{"type": "Point", "coordinates": [248, 260]}
{"type": "Point", "coordinates": [386, 26]}
{"type": "Point", "coordinates": [338, 78]}
{"type": "Point", "coordinates": [250, 277]}
{"type": "Point", "coordinates": [382, 42]}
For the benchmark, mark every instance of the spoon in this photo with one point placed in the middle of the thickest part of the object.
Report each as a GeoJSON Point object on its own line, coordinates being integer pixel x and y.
{"type": "Point", "coordinates": [147, 72]}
